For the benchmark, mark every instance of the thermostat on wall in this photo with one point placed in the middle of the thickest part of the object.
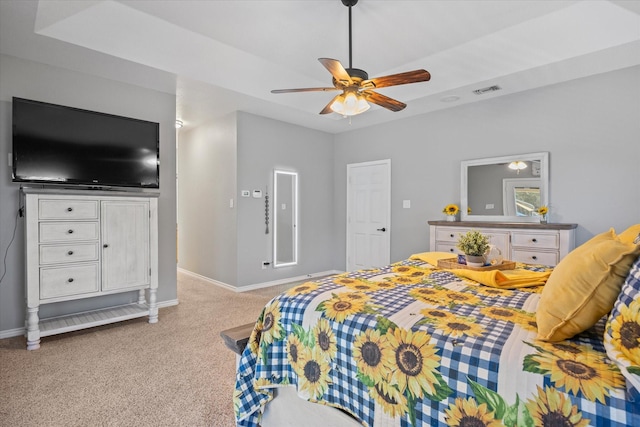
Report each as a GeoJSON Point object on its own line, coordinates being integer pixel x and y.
{"type": "Point", "coordinates": [257, 194]}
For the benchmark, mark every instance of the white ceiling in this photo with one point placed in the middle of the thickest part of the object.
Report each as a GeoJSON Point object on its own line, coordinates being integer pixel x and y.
{"type": "Point", "coordinates": [223, 56]}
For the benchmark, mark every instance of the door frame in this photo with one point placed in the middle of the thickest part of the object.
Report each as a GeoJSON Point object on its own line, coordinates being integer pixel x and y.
{"type": "Point", "coordinates": [350, 167]}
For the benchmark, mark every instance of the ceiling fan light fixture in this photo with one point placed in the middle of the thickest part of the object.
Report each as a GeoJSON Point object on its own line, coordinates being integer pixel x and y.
{"type": "Point", "coordinates": [517, 166]}
{"type": "Point", "coordinates": [350, 104]}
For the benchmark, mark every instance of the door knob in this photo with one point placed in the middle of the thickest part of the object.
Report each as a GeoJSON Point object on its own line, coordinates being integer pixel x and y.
{"type": "Point", "coordinates": [382, 229]}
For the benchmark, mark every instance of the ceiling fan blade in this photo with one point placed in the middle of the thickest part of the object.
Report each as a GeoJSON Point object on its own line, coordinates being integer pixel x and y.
{"type": "Point", "coordinates": [337, 71]}
{"type": "Point", "coordinates": [384, 101]}
{"type": "Point", "coordinates": [308, 89]}
{"type": "Point", "coordinates": [399, 79]}
{"type": "Point", "coordinates": [327, 109]}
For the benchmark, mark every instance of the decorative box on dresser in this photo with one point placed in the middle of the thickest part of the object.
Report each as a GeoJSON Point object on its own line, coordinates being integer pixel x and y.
{"type": "Point", "coordinates": [531, 243]}
{"type": "Point", "coordinates": [83, 244]}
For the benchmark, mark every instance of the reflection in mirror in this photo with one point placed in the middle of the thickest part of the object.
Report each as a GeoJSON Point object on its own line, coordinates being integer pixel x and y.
{"type": "Point", "coordinates": [285, 218]}
{"type": "Point", "coordinates": [508, 188]}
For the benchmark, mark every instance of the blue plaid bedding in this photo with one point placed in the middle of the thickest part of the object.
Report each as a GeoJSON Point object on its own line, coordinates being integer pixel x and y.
{"type": "Point", "coordinates": [422, 346]}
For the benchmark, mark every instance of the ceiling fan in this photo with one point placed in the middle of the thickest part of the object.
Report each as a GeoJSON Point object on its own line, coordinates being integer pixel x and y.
{"type": "Point", "coordinates": [356, 87]}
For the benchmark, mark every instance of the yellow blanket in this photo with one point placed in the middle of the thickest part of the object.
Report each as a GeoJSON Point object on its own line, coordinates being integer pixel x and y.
{"type": "Point", "coordinates": [504, 279]}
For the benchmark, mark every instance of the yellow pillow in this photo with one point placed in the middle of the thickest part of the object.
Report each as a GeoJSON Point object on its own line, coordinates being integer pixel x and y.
{"type": "Point", "coordinates": [630, 234]}
{"type": "Point", "coordinates": [584, 286]}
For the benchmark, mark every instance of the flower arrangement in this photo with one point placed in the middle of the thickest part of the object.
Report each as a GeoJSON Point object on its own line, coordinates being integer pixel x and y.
{"type": "Point", "coordinates": [451, 210]}
{"type": "Point", "coordinates": [543, 211]}
{"type": "Point", "coordinates": [473, 243]}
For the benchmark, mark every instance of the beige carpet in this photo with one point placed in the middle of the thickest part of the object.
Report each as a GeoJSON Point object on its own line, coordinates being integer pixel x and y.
{"type": "Point", "coordinates": [174, 373]}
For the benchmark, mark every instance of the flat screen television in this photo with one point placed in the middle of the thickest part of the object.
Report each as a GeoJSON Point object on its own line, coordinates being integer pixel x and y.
{"type": "Point", "coordinates": [55, 144]}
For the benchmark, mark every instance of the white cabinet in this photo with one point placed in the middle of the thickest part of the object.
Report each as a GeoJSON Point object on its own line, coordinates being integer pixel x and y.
{"type": "Point", "coordinates": [530, 243]}
{"type": "Point", "coordinates": [82, 244]}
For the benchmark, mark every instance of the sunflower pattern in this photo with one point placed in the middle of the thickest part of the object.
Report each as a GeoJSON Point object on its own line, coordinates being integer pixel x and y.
{"type": "Point", "coordinates": [575, 368]}
{"type": "Point", "coordinates": [302, 289]}
{"type": "Point", "coordinates": [311, 354]}
{"type": "Point", "coordinates": [399, 367]}
{"type": "Point", "coordinates": [401, 341]}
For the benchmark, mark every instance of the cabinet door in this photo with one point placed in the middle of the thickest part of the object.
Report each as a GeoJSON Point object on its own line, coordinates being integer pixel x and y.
{"type": "Point", "coordinates": [125, 244]}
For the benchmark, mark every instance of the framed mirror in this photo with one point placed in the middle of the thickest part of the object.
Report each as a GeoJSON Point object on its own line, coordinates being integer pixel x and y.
{"type": "Point", "coordinates": [285, 218]}
{"type": "Point", "coordinates": [507, 188]}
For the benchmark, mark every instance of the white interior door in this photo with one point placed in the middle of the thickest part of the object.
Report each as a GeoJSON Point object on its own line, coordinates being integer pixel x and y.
{"type": "Point", "coordinates": [368, 214]}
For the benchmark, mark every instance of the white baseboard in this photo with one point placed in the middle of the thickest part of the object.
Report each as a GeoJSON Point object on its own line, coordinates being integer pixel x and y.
{"type": "Point", "coordinates": [168, 303]}
{"type": "Point", "coordinates": [258, 285]}
{"type": "Point", "coordinates": [206, 279]}
{"type": "Point", "coordinates": [10, 333]}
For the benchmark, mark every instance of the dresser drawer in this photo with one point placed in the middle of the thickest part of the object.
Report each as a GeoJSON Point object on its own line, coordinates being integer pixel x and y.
{"type": "Point", "coordinates": [65, 281]}
{"type": "Point", "coordinates": [533, 257]}
{"type": "Point", "coordinates": [447, 247]}
{"type": "Point", "coordinates": [449, 234]}
{"type": "Point", "coordinates": [535, 240]}
{"type": "Point", "coordinates": [77, 252]}
{"type": "Point", "coordinates": [67, 209]}
{"type": "Point", "coordinates": [68, 231]}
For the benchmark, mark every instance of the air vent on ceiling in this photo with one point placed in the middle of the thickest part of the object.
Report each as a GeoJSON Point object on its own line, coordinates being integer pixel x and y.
{"type": "Point", "coordinates": [487, 89]}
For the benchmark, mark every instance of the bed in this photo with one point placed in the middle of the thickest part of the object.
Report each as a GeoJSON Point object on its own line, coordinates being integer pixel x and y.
{"type": "Point", "coordinates": [412, 344]}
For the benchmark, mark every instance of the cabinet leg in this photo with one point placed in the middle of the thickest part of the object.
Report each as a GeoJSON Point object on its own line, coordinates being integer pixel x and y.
{"type": "Point", "coordinates": [141, 297]}
{"type": "Point", "coordinates": [33, 328]}
{"type": "Point", "coordinates": [153, 306]}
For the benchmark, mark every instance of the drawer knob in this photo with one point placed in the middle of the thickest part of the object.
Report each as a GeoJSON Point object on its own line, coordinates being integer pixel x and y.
{"type": "Point", "coordinates": [534, 240]}
{"type": "Point", "coordinates": [70, 253]}
{"type": "Point", "coordinates": [70, 279]}
{"type": "Point", "coordinates": [70, 231]}
{"type": "Point", "coordinates": [106, 245]}
{"type": "Point", "coordinates": [451, 250]}
{"type": "Point", "coordinates": [451, 235]}
{"type": "Point", "coordinates": [69, 209]}
{"type": "Point", "coordinates": [534, 257]}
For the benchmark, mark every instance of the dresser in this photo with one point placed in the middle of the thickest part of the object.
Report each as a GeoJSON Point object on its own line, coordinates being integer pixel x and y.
{"type": "Point", "coordinates": [84, 244]}
{"type": "Point", "coordinates": [530, 243]}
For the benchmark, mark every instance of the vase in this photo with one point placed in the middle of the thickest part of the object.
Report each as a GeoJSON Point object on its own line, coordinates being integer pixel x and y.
{"type": "Point", "coordinates": [451, 218]}
{"type": "Point", "coordinates": [543, 219]}
{"type": "Point", "coordinates": [475, 260]}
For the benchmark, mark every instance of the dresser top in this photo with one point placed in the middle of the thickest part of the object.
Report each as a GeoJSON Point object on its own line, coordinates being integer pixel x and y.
{"type": "Point", "coordinates": [510, 225]}
{"type": "Point", "coordinates": [87, 192]}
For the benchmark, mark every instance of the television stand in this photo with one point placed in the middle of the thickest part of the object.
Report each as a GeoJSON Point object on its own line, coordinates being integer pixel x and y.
{"type": "Point", "coordinates": [87, 244]}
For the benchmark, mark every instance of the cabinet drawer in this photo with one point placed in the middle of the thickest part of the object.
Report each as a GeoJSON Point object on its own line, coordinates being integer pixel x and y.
{"type": "Point", "coordinates": [449, 234]}
{"type": "Point", "coordinates": [533, 257]}
{"type": "Point", "coordinates": [447, 247]}
{"type": "Point", "coordinates": [535, 240]}
{"type": "Point", "coordinates": [77, 252]}
{"type": "Point", "coordinates": [68, 231]}
{"type": "Point", "coordinates": [68, 209]}
{"type": "Point", "coordinates": [65, 281]}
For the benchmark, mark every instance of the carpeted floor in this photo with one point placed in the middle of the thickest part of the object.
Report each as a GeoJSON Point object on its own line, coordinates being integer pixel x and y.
{"type": "Point", "coordinates": [174, 373]}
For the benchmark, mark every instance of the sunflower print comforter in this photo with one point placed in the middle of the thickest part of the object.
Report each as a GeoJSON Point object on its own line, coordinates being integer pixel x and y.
{"type": "Point", "coordinates": [421, 346]}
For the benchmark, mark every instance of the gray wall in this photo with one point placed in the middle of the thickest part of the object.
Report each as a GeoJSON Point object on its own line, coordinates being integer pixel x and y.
{"type": "Point", "coordinates": [590, 127]}
{"type": "Point", "coordinates": [41, 82]}
{"type": "Point", "coordinates": [216, 164]}
{"type": "Point", "coordinates": [265, 145]}
{"type": "Point", "coordinates": [207, 236]}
